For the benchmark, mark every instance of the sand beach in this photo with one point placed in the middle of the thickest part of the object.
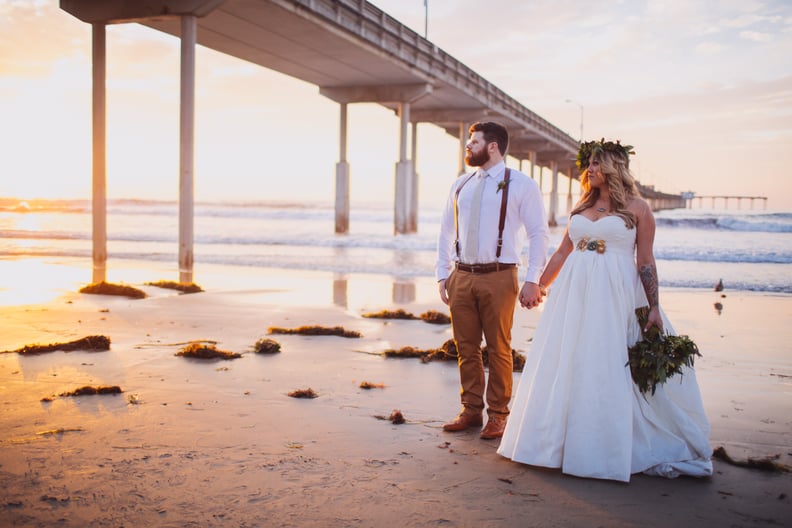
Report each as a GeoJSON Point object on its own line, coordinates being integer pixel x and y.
{"type": "Point", "coordinates": [220, 443]}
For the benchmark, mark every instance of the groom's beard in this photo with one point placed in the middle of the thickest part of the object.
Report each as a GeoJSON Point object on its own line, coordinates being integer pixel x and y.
{"type": "Point", "coordinates": [477, 159]}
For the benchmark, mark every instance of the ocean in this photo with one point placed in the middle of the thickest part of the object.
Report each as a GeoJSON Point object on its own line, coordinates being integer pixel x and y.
{"type": "Point", "coordinates": [694, 248]}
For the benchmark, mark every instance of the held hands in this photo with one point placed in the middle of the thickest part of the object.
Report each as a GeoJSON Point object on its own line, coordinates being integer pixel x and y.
{"type": "Point", "coordinates": [531, 295]}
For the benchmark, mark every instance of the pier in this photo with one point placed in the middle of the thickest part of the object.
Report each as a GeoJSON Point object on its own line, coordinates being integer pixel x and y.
{"type": "Point", "coordinates": [713, 199]}
{"type": "Point", "coordinates": [354, 53]}
{"type": "Point", "coordinates": [659, 200]}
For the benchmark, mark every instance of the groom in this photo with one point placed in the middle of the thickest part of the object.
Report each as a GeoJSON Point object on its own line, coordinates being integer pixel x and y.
{"type": "Point", "coordinates": [477, 256]}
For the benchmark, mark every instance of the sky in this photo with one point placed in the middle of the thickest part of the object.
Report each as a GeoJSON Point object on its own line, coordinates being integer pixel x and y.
{"type": "Point", "coordinates": [701, 88]}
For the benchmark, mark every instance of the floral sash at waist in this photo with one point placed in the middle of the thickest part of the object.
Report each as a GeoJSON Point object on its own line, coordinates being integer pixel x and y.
{"type": "Point", "coordinates": [589, 244]}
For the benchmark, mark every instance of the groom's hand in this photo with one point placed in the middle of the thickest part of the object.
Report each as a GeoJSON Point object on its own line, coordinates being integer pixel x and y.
{"type": "Point", "coordinates": [443, 293]}
{"type": "Point", "coordinates": [530, 295]}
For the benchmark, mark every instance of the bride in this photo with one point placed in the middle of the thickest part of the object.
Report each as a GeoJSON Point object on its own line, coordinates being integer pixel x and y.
{"type": "Point", "coordinates": [576, 407]}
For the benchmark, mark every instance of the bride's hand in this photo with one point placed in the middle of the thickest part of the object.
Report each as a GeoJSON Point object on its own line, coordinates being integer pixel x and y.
{"type": "Point", "coordinates": [530, 295]}
{"type": "Point", "coordinates": [654, 319]}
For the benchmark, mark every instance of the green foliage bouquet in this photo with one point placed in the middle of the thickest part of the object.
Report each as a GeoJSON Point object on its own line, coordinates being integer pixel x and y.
{"type": "Point", "coordinates": [657, 357]}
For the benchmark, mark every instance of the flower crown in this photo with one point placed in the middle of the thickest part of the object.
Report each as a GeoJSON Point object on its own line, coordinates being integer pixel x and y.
{"type": "Point", "coordinates": [592, 148]}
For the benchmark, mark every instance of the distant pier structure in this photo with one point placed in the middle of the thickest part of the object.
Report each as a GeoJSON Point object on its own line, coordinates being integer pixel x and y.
{"type": "Point", "coordinates": [660, 201]}
{"type": "Point", "coordinates": [691, 199]}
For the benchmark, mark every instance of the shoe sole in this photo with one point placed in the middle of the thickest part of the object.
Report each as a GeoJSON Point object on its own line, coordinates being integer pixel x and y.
{"type": "Point", "coordinates": [457, 429]}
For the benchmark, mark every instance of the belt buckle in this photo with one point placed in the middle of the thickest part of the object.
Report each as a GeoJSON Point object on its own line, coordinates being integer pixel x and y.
{"type": "Point", "coordinates": [588, 244]}
{"type": "Point", "coordinates": [482, 268]}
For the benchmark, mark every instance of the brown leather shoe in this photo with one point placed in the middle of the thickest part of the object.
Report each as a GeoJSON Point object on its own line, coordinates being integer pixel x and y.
{"type": "Point", "coordinates": [464, 421]}
{"type": "Point", "coordinates": [495, 426]}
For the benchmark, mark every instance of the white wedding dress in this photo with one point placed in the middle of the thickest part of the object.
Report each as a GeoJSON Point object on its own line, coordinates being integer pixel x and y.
{"type": "Point", "coordinates": [576, 406]}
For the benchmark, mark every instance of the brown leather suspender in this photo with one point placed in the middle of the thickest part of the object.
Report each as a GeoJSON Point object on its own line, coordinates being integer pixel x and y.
{"type": "Point", "coordinates": [502, 221]}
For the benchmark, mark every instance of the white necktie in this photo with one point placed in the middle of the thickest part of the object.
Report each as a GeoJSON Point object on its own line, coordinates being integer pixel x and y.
{"type": "Point", "coordinates": [472, 239]}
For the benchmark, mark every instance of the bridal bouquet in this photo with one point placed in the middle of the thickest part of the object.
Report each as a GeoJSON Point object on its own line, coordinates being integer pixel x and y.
{"type": "Point", "coordinates": [657, 357]}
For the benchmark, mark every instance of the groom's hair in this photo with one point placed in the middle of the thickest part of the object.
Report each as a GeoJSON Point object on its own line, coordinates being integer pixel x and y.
{"type": "Point", "coordinates": [493, 133]}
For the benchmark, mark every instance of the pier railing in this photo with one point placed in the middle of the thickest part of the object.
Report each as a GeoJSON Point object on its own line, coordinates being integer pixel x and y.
{"type": "Point", "coordinates": [714, 199]}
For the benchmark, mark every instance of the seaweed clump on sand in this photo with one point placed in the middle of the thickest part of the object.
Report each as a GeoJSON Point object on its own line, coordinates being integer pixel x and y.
{"type": "Point", "coordinates": [448, 352]}
{"type": "Point", "coordinates": [768, 463]}
{"type": "Point", "coordinates": [109, 288]}
{"type": "Point", "coordinates": [390, 314]}
{"type": "Point", "coordinates": [406, 352]}
{"type": "Point", "coordinates": [315, 331]}
{"type": "Point", "coordinates": [435, 317]}
{"type": "Point", "coordinates": [96, 343]}
{"type": "Point", "coordinates": [431, 316]}
{"type": "Point", "coordinates": [304, 393]}
{"type": "Point", "coordinates": [89, 390]}
{"type": "Point", "coordinates": [396, 417]}
{"type": "Point", "coordinates": [266, 346]}
{"type": "Point", "coordinates": [60, 431]}
{"type": "Point", "coordinates": [518, 359]}
{"type": "Point", "coordinates": [368, 385]}
{"type": "Point", "coordinates": [200, 350]}
{"type": "Point", "coordinates": [184, 287]}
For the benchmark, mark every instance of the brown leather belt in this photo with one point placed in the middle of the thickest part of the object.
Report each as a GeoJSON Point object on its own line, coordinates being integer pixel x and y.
{"type": "Point", "coordinates": [484, 268]}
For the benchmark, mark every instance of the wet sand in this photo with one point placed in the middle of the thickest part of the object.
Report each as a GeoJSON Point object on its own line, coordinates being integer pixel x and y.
{"type": "Point", "coordinates": [220, 443]}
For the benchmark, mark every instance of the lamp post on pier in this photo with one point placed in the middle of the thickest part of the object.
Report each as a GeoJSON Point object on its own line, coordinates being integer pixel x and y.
{"type": "Point", "coordinates": [426, 19]}
{"type": "Point", "coordinates": [581, 116]}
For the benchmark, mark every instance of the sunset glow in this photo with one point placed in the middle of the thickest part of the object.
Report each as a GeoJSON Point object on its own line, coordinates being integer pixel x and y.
{"type": "Point", "coordinates": [703, 94]}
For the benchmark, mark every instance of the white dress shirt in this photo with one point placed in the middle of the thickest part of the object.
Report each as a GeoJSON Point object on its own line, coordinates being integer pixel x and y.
{"type": "Point", "coordinates": [525, 209]}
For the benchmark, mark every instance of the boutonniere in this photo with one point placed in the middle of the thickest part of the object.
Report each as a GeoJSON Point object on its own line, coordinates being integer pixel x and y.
{"type": "Point", "coordinates": [501, 185]}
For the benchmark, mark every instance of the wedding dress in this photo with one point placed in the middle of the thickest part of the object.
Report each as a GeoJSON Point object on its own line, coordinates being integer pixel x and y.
{"type": "Point", "coordinates": [576, 406]}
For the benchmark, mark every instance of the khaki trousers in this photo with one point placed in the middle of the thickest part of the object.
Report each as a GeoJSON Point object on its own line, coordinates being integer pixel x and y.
{"type": "Point", "coordinates": [484, 303]}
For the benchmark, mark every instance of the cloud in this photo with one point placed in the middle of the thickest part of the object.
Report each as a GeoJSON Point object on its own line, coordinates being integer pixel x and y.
{"type": "Point", "coordinates": [755, 36]}
{"type": "Point", "coordinates": [746, 20]}
{"type": "Point", "coordinates": [665, 75]}
{"type": "Point", "coordinates": [706, 140]}
{"type": "Point", "coordinates": [709, 48]}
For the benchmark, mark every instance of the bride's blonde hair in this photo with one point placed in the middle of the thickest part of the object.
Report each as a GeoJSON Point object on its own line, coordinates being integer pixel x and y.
{"type": "Point", "coordinates": [621, 185]}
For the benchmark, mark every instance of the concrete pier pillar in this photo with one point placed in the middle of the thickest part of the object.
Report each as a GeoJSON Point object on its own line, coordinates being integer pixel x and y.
{"type": "Point", "coordinates": [189, 32]}
{"type": "Point", "coordinates": [99, 139]}
{"type": "Point", "coordinates": [342, 197]}
{"type": "Point", "coordinates": [405, 95]}
{"type": "Point", "coordinates": [532, 161]}
{"type": "Point", "coordinates": [553, 212]}
{"type": "Point", "coordinates": [412, 216]}
{"type": "Point", "coordinates": [342, 177]}
{"type": "Point", "coordinates": [463, 137]}
{"type": "Point", "coordinates": [403, 175]}
{"type": "Point", "coordinates": [569, 192]}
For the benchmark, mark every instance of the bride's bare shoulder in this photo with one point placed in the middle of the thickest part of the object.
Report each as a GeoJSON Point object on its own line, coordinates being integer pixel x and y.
{"type": "Point", "coordinates": [638, 206]}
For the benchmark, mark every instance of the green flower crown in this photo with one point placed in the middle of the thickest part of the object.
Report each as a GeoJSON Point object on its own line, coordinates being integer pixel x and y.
{"type": "Point", "coordinates": [591, 148]}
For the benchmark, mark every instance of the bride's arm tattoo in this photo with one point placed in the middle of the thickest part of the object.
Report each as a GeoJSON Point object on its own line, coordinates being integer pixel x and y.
{"type": "Point", "coordinates": [648, 275]}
